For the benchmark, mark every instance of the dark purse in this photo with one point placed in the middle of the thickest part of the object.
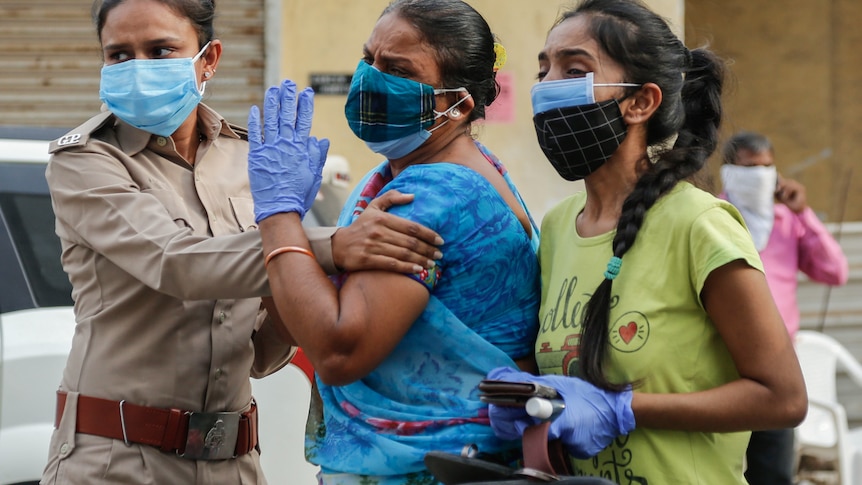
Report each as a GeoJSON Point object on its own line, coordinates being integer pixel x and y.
{"type": "Point", "coordinates": [544, 460]}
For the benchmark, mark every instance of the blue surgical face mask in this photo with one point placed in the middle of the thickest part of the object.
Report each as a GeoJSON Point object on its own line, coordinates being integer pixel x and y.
{"type": "Point", "coordinates": [154, 95]}
{"type": "Point", "coordinates": [392, 114]}
{"type": "Point", "coordinates": [565, 93]}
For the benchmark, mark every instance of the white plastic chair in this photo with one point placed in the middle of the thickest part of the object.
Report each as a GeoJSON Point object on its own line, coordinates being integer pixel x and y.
{"type": "Point", "coordinates": [824, 433]}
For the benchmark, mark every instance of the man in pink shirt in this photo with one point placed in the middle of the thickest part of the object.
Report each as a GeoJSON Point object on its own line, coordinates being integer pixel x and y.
{"type": "Point", "coordinates": [790, 238]}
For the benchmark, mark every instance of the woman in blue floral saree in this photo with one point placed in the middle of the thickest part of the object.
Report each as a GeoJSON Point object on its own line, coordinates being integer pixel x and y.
{"type": "Point", "coordinates": [398, 357]}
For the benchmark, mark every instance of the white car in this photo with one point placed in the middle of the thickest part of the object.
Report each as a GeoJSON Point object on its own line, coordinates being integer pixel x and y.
{"type": "Point", "coordinates": [37, 325]}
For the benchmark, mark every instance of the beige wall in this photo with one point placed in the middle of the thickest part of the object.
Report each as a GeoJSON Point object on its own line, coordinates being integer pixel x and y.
{"type": "Point", "coordinates": [326, 36]}
{"type": "Point", "coordinates": [796, 77]}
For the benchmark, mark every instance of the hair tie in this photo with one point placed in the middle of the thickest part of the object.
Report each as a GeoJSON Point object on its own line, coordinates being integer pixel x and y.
{"type": "Point", "coordinates": [499, 56]}
{"type": "Point", "coordinates": [613, 268]}
{"type": "Point", "coordinates": [689, 58]}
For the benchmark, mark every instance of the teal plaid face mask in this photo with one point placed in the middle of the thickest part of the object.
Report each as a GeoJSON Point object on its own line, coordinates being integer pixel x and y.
{"type": "Point", "coordinates": [390, 113]}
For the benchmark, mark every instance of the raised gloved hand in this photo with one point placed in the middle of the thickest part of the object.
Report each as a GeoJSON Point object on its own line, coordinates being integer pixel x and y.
{"type": "Point", "coordinates": [591, 420]}
{"type": "Point", "coordinates": [285, 164]}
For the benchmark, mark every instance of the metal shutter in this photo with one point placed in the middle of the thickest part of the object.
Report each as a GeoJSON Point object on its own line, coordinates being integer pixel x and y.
{"type": "Point", "coordinates": [50, 62]}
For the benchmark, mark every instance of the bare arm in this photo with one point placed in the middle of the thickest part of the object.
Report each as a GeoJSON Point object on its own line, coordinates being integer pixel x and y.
{"type": "Point", "coordinates": [770, 392]}
{"type": "Point", "coordinates": [276, 321]}
{"type": "Point", "coordinates": [345, 333]}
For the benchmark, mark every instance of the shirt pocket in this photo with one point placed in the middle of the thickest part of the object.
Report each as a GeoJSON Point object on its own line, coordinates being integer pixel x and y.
{"type": "Point", "coordinates": [243, 212]}
{"type": "Point", "coordinates": [173, 204]}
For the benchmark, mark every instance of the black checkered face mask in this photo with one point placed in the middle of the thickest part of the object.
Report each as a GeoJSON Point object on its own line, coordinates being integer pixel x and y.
{"type": "Point", "coordinates": [579, 139]}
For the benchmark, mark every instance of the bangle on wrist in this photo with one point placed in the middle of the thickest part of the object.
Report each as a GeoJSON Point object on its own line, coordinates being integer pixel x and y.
{"type": "Point", "coordinates": [286, 249]}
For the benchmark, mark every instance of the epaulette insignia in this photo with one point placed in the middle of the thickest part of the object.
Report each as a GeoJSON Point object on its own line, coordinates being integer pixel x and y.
{"type": "Point", "coordinates": [81, 134]}
{"type": "Point", "coordinates": [69, 139]}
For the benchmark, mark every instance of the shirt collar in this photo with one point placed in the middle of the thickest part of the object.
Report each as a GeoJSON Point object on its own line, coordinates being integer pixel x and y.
{"type": "Point", "coordinates": [133, 140]}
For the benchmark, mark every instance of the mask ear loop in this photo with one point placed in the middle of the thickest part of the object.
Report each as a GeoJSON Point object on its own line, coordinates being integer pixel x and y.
{"type": "Point", "coordinates": [452, 109]}
{"type": "Point", "coordinates": [201, 52]}
{"type": "Point", "coordinates": [206, 74]}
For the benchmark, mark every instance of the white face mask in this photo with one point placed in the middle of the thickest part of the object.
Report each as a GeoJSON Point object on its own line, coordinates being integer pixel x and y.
{"type": "Point", "coordinates": [752, 190]}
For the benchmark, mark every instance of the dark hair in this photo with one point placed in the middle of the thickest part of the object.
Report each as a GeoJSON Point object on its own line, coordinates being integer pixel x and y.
{"type": "Point", "coordinates": [745, 140]}
{"type": "Point", "coordinates": [463, 43]}
{"type": "Point", "coordinates": [201, 13]}
{"type": "Point", "coordinates": [691, 84]}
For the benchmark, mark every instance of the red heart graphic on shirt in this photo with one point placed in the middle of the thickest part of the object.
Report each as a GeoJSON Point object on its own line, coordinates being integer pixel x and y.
{"type": "Point", "coordinates": [628, 332]}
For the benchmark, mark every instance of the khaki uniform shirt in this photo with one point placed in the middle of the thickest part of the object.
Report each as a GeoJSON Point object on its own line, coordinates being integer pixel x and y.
{"type": "Point", "coordinates": [166, 269]}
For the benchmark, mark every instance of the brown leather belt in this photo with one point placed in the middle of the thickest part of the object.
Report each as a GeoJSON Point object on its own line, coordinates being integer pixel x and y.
{"type": "Point", "coordinates": [192, 435]}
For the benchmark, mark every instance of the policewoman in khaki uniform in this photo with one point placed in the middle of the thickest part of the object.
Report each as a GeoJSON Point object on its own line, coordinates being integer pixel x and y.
{"type": "Point", "coordinates": [160, 243]}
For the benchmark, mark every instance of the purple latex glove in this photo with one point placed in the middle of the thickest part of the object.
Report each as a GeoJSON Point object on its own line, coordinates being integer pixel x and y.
{"type": "Point", "coordinates": [285, 165]}
{"type": "Point", "coordinates": [592, 419]}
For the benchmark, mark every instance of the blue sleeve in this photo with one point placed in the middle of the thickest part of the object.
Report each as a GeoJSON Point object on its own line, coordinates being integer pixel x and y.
{"type": "Point", "coordinates": [445, 200]}
{"type": "Point", "coordinates": [436, 204]}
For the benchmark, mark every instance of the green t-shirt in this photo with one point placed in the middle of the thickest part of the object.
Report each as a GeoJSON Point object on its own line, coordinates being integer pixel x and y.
{"type": "Point", "coordinates": [660, 333]}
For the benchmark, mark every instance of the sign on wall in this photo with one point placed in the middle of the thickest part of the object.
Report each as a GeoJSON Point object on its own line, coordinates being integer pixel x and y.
{"type": "Point", "coordinates": [330, 84]}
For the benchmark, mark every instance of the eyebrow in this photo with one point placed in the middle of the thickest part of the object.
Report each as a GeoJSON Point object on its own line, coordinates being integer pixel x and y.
{"type": "Point", "coordinates": [149, 43]}
{"type": "Point", "coordinates": [571, 52]}
{"type": "Point", "coordinates": [400, 60]}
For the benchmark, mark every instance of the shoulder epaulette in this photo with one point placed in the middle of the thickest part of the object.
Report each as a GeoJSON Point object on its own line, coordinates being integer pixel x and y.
{"type": "Point", "coordinates": [80, 135]}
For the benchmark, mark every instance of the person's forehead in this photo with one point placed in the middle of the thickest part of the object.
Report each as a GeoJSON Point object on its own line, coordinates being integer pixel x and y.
{"type": "Point", "coordinates": [145, 20]}
{"type": "Point", "coordinates": [572, 33]}
{"type": "Point", "coordinates": [745, 156]}
{"type": "Point", "coordinates": [395, 40]}
{"type": "Point", "coordinates": [572, 39]}
{"type": "Point", "coordinates": [395, 34]}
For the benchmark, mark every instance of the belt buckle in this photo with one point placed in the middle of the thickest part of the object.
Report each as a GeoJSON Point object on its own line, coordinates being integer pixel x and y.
{"type": "Point", "coordinates": [211, 436]}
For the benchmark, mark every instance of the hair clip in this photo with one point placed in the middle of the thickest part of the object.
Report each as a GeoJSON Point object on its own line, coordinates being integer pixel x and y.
{"type": "Point", "coordinates": [500, 56]}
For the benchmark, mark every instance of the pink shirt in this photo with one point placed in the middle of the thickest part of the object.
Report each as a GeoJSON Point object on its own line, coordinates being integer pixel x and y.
{"type": "Point", "coordinates": [799, 242]}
